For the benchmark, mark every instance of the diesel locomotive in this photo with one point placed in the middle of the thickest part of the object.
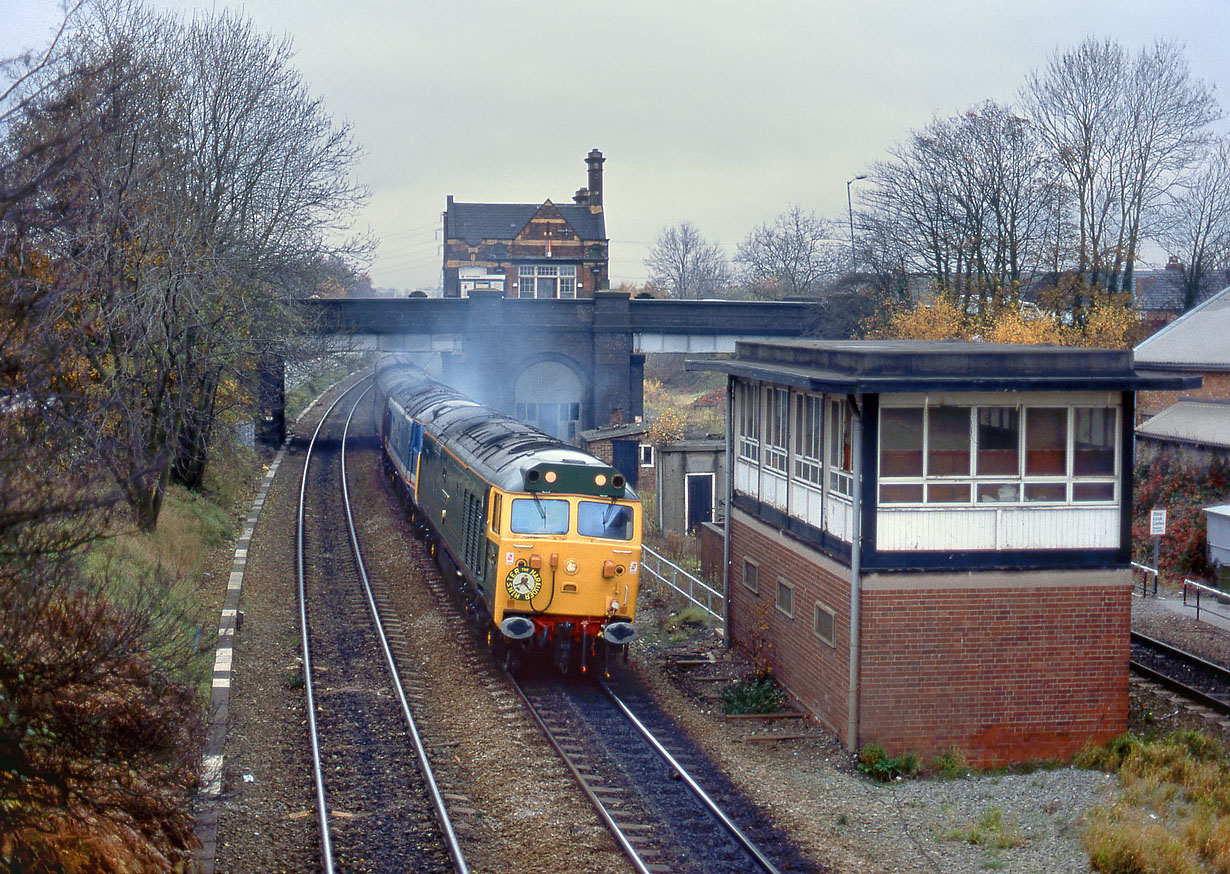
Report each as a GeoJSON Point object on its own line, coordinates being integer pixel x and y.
{"type": "Point", "coordinates": [543, 540]}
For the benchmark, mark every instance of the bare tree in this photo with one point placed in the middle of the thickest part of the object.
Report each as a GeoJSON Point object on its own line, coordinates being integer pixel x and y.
{"type": "Point", "coordinates": [687, 265]}
{"type": "Point", "coordinates": [1120, 131]}
{"type": "Point", "coordinates": [204, 182]}
{"type": "Point", "coordinates": [966, 202]}
{"type": "Point", "coordinates": [1169, 113]}
{"type": "Point", "coordinates": [1197, 227]}
{"type": "Point", "coordinates": [794, 256]}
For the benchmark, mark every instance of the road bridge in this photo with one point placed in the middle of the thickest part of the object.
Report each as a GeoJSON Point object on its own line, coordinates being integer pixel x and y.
{"type": "Point", "coordinates": [564, 365]}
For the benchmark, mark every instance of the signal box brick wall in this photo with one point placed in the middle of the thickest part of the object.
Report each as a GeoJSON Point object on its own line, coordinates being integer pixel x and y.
{"type": "Point", "coordinates": [814, 672]}
{"type": "Point", "coordinates": [1003, 667]}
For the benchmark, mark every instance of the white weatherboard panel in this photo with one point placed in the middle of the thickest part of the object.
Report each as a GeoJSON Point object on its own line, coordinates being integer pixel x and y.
{"type": "Point", "coordinates": [773, 489]}
{"type": "Point", "coordinates": [838, 518]}
{"type": "Point", "coordinates": [805, 503]}
{"type": "Point", "coordinates": [745, 477]}
{"type": "Point", "coordinates": [998, 528]}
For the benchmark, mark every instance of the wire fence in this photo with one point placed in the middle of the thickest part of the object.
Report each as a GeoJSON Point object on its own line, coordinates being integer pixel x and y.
{"type": "Point", "coordinates": [694, 589]}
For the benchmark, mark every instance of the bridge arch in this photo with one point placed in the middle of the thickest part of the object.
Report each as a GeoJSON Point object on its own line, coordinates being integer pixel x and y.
{"type": "Point", "coordinates": [550, 392]}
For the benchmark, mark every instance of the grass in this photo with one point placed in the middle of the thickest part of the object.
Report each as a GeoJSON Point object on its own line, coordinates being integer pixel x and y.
{"type": "Point", "coordinates": [168, 568]}
{"type": "Point", "coordinates": [1173, 816]}
{"type": "Point", "coordinates": [990, 830]}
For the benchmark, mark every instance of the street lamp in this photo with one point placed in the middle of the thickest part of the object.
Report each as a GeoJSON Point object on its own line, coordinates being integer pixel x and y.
{"type": "Point", "coordinates": [850, 208]}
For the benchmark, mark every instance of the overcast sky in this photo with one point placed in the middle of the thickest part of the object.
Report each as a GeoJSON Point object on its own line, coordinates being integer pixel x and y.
{"type": "Point", "coordinates": [719, 113]}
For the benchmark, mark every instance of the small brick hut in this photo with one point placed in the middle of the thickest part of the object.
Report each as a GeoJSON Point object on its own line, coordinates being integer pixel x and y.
{"type": "Point", "coordinates": [931, 541]}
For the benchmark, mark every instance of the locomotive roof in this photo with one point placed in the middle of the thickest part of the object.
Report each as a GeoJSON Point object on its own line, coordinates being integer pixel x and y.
{"type": "Point", "coordinates": [500, 448]}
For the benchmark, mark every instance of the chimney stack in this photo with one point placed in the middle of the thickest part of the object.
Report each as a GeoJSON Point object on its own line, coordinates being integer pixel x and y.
{"type": "Point", "coordinates": [594, 161]}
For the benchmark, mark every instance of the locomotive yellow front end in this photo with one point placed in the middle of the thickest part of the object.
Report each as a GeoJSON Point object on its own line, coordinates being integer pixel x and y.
{"type": "Point", "coordinates": [564, 559]}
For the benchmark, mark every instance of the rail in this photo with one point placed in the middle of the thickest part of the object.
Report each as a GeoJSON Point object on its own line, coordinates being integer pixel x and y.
{"type": "Point", "coordinates": [1192, 589]}
{"type": "Point", "coordinates": [690, 587]}
{"type": "Point", "coordinates": [1144, 583]}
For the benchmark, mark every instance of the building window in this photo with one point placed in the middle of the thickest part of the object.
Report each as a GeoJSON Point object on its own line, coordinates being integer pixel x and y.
{"type": "Point", "coordinates": [998, 454]}
{"type": "Point", "coordinates": [785, 598]}
{"type": "Point", "coordinates": [547, 281]}
{"type": "Point", "coordinates": [808, 439]}
{"type": "Point", "coordinates": [747, 402]}
{"type": "Point", "coordinates": [824, 623]}
{"type": "Point", "coordinates": [646, 455]}
{"type": "Point", "coordinates": [751, 575]}
{"type": "Point", "coordinates": [777, 423]}
{"type": "Point", "coordinates": [841, 451]}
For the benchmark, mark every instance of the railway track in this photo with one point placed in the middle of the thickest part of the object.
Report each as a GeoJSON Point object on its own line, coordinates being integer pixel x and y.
{"type": "Point", "coordinates": [1194, 678]}
{"type": "Point", "coordinates": [378, 805]}
{"type": "Point", "coordinates": [645, 781]}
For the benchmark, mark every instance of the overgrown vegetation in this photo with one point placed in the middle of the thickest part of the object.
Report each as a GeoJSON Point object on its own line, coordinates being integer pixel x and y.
{"type": "Point", "coordinates": [105, 661]}
{"type": "Point", "coordinates": [318, 375]}
{"type": "Point", "coordinates": [1184, 491]}
{"type": "Point", "coordinates": [878, 764]}
{"type": "Point", "coordinates": [756, 694]}
{"type": "Point", "coordinates": [680, 624]}
{"type": "Point", "coordinates": [169, 190]}
{"type": "Point", "coordinates": [1173, 816]}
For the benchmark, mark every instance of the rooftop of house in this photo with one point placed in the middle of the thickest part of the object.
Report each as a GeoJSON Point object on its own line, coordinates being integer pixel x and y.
{"type": "Point", "coordinates": [476, 222]}
{"type": "Point", "coordinates": [1197, 340]}
{"type": "Point", "coordinates": [1203, 422]}
{"type": "Point", "coordinates": [873, 366]}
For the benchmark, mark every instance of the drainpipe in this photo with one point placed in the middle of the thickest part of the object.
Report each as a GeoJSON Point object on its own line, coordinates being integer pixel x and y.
{"type": "Point", "coordinates": [856, 536]}
{"type": "Point", "coordinates": [729, 489]}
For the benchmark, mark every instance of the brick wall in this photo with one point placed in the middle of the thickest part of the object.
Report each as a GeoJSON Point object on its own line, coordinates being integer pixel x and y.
{"type": "Point", "coordinates": [1002, 674]}
{"type": "Point", "coordinates": [1004, 668]}
{"type": "Point", "coordinates": [815, 673]}
{"type": "Point", "coordinates": [1216, 386]}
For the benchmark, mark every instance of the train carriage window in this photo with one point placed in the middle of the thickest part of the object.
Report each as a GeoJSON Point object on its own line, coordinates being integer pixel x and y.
{"type": "Point", "coordinates": [538, 516]}
{"type": "Point", "coordinates": [604, 519]}
{"type": "Point", "coordinates": [496, 504]}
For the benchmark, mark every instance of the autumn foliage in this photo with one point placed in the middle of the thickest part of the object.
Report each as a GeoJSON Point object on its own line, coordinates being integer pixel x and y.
{"type": "Point", "coordinates": [1184, 491]}
{"type": "Point", "coordinates": [1100, 320]}
{"type": "Point", "coordinates": [97, 737]}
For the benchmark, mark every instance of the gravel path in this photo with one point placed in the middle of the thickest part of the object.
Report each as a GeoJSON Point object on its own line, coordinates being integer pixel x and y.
{"type": "Point", "coordinates": [809, 786]}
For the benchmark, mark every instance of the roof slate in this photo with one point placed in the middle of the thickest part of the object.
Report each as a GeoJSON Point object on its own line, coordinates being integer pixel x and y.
{"type": "Point", "coordinates": [475, 222]}
{"type": "Point", "coordinates": [1191, 421]}
{"type": "Point", "coordinates": [1199, 339]}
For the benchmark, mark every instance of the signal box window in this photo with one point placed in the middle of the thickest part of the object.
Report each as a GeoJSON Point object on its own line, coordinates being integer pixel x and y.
{"type": "Point", "coordinates": [612, 521]}
{"type": "Point", "coordinates": [751, 575]}
{"type": "Point", "coordinates": [646, 455]}
{"type": "Point", "coordinates": [537, 516]}
{"type": "Point", "coordinates": [785, 598]}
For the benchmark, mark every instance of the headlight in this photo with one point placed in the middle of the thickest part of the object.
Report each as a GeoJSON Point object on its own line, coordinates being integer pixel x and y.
{"type": "Point", "coordinates": [614, 606]}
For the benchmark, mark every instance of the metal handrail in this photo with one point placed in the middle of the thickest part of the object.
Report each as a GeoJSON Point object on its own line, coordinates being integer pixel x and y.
{"type": "Point", "coordinates": [1144, 584]}
{"type": "Point", "coordinates": [1202, 587]}
{"type": "Point", "coordinates": [676, 577]}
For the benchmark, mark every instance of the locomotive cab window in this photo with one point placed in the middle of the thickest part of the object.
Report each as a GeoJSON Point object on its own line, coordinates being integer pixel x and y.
{"type": "Point", "coordinates": [612, 521]}
{"type": "Point", "coordinates": [538, 516]}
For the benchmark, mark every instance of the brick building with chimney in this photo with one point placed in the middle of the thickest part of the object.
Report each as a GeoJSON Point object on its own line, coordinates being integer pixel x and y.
{"type": "Point", "coordinates": [529, 250]}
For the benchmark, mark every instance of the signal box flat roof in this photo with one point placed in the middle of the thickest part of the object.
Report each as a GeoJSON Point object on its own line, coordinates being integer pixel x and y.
{"type": "Point", "coordinates": [877, 366]}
